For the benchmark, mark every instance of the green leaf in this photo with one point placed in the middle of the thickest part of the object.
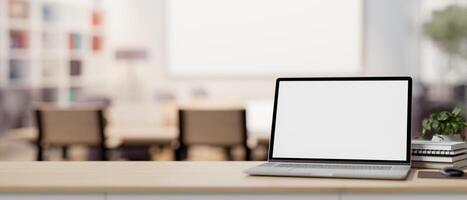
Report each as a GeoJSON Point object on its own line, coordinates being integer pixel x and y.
{"type": "Point", "coordinates": [435, 124]}
{"type": "Point", "coordinates": [425, 123]}
{"type": "Point", "coordinates": [457, 110]}
{"type": "Point", "coordinates": [443, 116]}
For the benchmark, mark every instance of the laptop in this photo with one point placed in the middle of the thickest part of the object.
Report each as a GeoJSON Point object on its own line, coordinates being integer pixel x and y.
{"type": "Point", "coordinates": [350, 127]}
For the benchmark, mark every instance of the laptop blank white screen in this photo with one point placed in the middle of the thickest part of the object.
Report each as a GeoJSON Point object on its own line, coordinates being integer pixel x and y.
{"type": "Point", "coordinates": [356, 120]}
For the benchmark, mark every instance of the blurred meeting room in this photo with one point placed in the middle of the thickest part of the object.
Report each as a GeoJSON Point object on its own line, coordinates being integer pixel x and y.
{"type": "Point", "coordinates": [140, 80]}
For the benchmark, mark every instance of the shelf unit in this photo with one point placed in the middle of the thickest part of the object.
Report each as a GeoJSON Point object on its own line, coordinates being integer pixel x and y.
{"type": "Point", "coordinates": [50, 46]}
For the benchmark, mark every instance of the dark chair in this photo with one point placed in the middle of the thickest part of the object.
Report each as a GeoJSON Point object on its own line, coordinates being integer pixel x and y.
{"type": "Point", "coordinates": [70, 126]}
{"type": "Point", "coordinates": [221, 128]}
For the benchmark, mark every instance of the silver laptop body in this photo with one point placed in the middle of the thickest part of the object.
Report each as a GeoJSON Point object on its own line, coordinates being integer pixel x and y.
{"type": "Point", "coordinates": [350, 127]}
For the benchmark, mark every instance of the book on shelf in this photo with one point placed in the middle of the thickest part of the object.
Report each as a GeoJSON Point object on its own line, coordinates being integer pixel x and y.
{"type": "Point", "coordinates": [18, 69]}
{"type": "Point", "coordinates": [439, 165]}
{"type": "Point", "coordinates": [96, 43]}
{"type": "Point", "coordinates": [74, 41]}
{"type": "Point", "coordinates": [19, 39]}
{"type": "Point", "coordinates": [96, 18]}
{"type": "Point", "coordinates": [426, 144]}
{"type": "Point", "coordinates": [438, 152]}
{"type": "Point", "coordinates": [75, 67]}
{"type": "Point", "coordinates": [49, 95]}
{"type": "Point", "coordinates": [49, 12]}
{"type": "Point", "coordinates": [19, 9]}
{"type": "Point", "coordinates": [73, 94]}
{"type": "Point", "coordinates": [437, 158]}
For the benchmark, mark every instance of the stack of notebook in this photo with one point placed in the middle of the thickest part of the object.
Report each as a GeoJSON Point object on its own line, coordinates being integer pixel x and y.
{"type": "Point", "coordinates": [428, 154]}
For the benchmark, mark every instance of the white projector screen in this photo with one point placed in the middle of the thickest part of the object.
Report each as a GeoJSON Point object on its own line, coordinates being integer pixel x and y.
{"type": "Point", "coordinates": [263, 37]}
{"type": "Point", "coordinates": [355, 120]}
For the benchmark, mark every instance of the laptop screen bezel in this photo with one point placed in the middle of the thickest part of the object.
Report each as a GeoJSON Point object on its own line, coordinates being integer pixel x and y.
{"type": "Point", "coordinates": [344, 161]}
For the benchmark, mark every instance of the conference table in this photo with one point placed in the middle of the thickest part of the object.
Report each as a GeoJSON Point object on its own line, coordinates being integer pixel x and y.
{"type": "Point", "coordinates": [202, 180]}
{"type": "Point", "coordinates": [118, 136]}
{"type": "Point", "coordinates": [259, 114]}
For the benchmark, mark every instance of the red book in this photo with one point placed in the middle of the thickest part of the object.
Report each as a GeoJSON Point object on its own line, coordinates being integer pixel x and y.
{"type": "Point", "coordinates": [19, 39]}
{"type": "Point", "coordinates": [96, 18]}
{"type": "Point", "coordinates": [96, 43]}
{"type": "Point", "coordinates": [70, 41]}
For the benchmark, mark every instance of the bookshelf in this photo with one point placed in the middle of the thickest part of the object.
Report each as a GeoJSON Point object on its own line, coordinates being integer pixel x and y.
{"type": "Point", "coordinates": [50, 46]}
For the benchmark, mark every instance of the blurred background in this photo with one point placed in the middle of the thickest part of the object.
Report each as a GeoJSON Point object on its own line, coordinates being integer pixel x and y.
{"type": "Point", "coordinates": [143, 61]}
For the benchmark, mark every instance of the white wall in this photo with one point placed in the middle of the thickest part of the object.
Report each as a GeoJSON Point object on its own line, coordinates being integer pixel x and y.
{"type": "Point", "coordinates": [391, 48]}
{"type": "Point", "coordinates": [139, 23]}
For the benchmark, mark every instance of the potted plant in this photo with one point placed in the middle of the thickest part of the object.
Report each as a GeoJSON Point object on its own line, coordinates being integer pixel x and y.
{"type": "Point", "coordinates": [445, 126]}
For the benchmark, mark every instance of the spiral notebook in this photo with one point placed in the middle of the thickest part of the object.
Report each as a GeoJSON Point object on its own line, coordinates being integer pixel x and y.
{"type": "Point", "coordinates": [439, 158]}
{"type": "Point", "coordinates": [438, 152]}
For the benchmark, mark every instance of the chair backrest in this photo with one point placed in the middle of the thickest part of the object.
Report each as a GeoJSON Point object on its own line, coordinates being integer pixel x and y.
{"type": "Point", "coordinates": [66, 126]}
{"type": "Point", "coordinates": [212, 127]}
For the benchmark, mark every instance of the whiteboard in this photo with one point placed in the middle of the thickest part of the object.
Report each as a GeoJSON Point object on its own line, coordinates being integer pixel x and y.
{"type": "Point", "coordinates": [263, 37]}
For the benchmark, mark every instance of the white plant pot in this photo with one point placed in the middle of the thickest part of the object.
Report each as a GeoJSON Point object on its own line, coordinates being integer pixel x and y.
{"type": "Point", "coordinates": [447, 138]}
